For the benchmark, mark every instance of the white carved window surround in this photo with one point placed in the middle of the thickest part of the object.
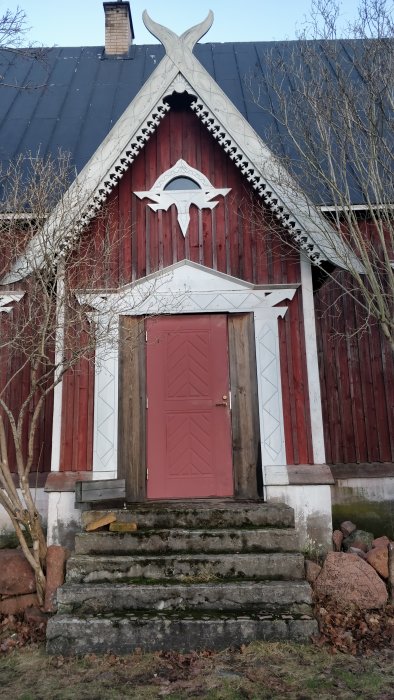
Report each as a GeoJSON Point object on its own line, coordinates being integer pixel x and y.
{"type": "Point", "coordinates": [187, 287]}
{"type": "Point", "coordinates": [183, 186]}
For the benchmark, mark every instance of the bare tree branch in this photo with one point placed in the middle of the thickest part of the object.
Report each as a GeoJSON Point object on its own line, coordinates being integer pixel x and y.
{"type": "Point", "coordinates": [330, 105]}
{"type": "Point", "coordinates": [13, 34]}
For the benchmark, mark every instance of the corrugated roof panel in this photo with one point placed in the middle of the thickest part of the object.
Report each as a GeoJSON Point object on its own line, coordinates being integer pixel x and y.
{"type": "Point", "coordinates": [96, 124]}
{"type": "Point", "coordinates": [224, 62]}
{"type": "Point", "coordinates": [252, 87]}
{"type": "Point", "coordinates": [65, 137]}
{"type": "Point", "coordinates": [68, 128]}
{"type": "Point", "coordinates": [22, 69]}
{"type": "Point", "coordinates": [14, 72]}
{"type": "Point", "coordinates": [11, 134]}
{"type": "Point", "coordinates": [36, 141]}
{"type": "Point", "coordinates": [24, 102]}
{"type": "Point", "coordinates": [81, 85]}
{"type": "Point", "coordinates": [116, 84]}
{"type": "Point", "coordinates": [58, 84]}
{"type": "Point", "coordinates": [204, 53]}
{"type": "Point", "coordinates": [125, 90]}
{"type": "Point", "coordinates": [227, 76]}
{"type": "Point", "coordinates": [51, 102]}
{"type": "Point", "coordinates": [151, 55]}
{"type": "Point", "coordinates": [25, 107]}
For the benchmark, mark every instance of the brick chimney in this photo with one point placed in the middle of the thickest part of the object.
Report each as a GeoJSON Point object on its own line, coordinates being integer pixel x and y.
{"type": "Point", "coordinates": [119, 33]}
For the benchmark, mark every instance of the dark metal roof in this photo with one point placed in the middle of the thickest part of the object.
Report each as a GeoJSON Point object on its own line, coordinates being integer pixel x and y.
{"type": "Point", "coordinates": [72, 98]}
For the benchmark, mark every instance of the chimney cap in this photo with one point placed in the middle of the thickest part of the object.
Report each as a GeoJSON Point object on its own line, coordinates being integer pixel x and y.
{"type": "Point", "coordinates": [117, 3]}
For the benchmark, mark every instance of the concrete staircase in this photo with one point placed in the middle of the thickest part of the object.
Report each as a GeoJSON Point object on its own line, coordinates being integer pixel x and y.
{"type": "Point", "coordinates": [193, 576]}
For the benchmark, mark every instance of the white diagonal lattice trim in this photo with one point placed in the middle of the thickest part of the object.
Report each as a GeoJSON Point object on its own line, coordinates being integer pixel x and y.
{"type": "Point", "coordinates": [270, 403]}
{"type": "Point", "coordinates": [105, 414]}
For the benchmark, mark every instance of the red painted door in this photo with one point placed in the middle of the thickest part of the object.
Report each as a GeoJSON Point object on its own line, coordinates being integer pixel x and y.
{"type": "Point", "coordinates": [189, 451]}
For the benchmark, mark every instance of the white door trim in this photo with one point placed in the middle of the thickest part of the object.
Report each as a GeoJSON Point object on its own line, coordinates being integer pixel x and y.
{"type": "Point", "coordinates": [190, 288]}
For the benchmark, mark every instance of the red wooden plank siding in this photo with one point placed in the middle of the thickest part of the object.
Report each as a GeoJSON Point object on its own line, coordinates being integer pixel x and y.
{"type": "Point", "coordinates": [90, 412]}
{"type": "Point", "coordinates": [296, 409]}
{"type": "Point", "coordinates": [357, 438]}
{"type": "Point", "coordinates": [68, 436]}
{"type": "Point", "coordinates": [356, 371]}
{"type": "Point", "coordinates": [303, 424]}
{"type": "Point", "coordinates": [77, 409]}
{"type": "Point", "coordinates": [13, 365]}
{"type": "Point", "coordinates": [388, 373]}
{"type": "Point", "coordinates": [378, 385]}
{"type": "Point", "coordinates": [346, 405]}
{"type": "Point", "coordinates": [231, 238]}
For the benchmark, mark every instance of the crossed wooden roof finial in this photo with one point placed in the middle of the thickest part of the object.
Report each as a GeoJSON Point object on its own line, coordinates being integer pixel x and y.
{"type": "Point", "coordinates": [171, 41]}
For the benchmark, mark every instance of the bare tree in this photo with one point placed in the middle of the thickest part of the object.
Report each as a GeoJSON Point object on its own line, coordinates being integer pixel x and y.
{"type": "Point", "coordinates": [329, 107]}
{"type": "Point", "coordinates": [14, 30]}
{"type": "Point", "coordinates": [46, 332]}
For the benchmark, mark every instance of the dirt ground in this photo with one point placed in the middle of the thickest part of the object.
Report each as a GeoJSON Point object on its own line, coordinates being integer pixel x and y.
{"type": "Point", "coordinates": [260, 670]}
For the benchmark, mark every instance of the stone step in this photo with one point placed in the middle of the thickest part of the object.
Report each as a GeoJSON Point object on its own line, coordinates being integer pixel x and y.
{"type": "Point", "coordinates": [277, 597]}
{"type": "Point", "coordinates": [175, 540]}
{"type": "Point", "coordinates": [192, 568]}
{"type": "Point", "coordinates": [201, 515]}
{"type": "Point", "coordinates": [69, 635]}
{"type": "Point", "coordinates": [209, 574]}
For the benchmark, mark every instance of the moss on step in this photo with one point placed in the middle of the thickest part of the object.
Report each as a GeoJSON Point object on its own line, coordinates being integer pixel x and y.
{"type": "Point", "coordinates": [190, 614]}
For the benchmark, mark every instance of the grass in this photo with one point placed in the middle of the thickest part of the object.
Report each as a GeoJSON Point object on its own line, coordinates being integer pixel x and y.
{"type": "Point", "coordinates": [259, 671]}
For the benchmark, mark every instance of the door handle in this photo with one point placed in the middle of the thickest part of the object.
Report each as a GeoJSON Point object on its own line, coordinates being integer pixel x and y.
{"type": "Point", "coordinates": [222, 403]}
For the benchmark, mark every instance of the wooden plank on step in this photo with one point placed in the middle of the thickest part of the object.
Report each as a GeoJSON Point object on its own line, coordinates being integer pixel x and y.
{"type": "Point", "coordinates": [103, 490]}
{"type": "Point", "coordinates": [122, 527]}
{"type": "Point", "coordinates": [104, 520]}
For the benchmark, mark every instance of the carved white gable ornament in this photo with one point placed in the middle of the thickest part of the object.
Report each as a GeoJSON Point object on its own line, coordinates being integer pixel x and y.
{"type": "Point", "coordinates": [183, 186]}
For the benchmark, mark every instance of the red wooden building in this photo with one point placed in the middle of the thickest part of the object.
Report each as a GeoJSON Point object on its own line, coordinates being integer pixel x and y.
{"type": "Point", "coordinates": [217, 373]}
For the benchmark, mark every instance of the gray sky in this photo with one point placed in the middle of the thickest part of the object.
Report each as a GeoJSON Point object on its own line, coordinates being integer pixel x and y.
{"type": "Point", "coordinates": [81, 22]}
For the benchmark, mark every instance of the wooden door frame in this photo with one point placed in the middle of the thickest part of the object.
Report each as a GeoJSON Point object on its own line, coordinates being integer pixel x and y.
{"type": "Point", "coordinates": [132, 407]}
{"type": "Point", "coordinates": [188, 287]}
{"type": "Point", "coordinates": [245, 421]}
{"type": "Point", "coordinates": [244, 414]}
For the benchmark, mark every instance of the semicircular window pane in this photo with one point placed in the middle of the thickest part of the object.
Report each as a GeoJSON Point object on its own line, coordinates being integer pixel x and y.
{"type": "Point", "coordinates": [182, 183]}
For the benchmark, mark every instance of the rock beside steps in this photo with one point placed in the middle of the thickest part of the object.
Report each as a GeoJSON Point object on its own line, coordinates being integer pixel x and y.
{"type": "Point", "coordinates": [191, 577]}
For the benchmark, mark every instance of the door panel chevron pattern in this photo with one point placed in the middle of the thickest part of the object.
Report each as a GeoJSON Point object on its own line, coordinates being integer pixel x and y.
{"type": "Point", "coordinates": [189, 444]}
{"type": "Point", "coordinates": [188, 371]}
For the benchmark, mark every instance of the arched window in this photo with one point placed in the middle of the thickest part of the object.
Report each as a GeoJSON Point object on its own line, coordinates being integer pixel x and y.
{"type": "Point", "coordinates": [182, 183]}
